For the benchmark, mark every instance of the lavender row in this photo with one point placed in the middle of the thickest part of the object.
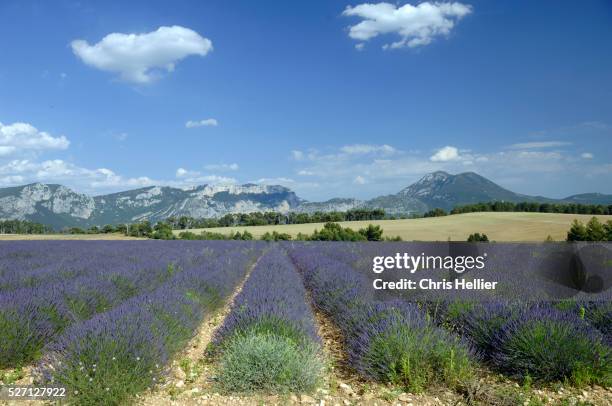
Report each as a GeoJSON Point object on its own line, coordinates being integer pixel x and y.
{"type": "Point", "coordinates": [116, 354]}
{"type": "Point", "coordinates": [525, 274]}
{"type": "Point", "coordinates": [269, 341]}
{"type": "Point", "coordinates": [30, 264]}
{"type": "Point", "coordinates": [388, 341]}
{"type": "Point", "coordinates": [272, 300]}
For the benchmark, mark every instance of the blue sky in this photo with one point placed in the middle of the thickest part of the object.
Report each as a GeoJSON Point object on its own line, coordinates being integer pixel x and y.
{"type": "Point", "coordinates": [329, 98]}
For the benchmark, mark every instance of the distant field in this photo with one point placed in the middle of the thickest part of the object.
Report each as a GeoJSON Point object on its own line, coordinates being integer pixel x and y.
{"type": "Point", "coordinates": [112, 236]}
{"type": "Point", "coordinates": [497, 226]}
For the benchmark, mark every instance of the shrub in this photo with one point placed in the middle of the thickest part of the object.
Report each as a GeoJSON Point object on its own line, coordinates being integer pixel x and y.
{"type": "Point", "coordinates": [269, 363]}
{"type": "Point", "coordinates": [275, 325]}
{"type": "Point", "coordinates": [335, 232]}
{"type": "Point", "coordinates": [24, 330]}
{"type": "Point", "coordinates": [108, 360]}
{"type": "Point", "coordinates": [548, 345]}
{"type": "Point", "coordinates": [372, 233]}
{"type": "Point", "coordinates": [414, 356]}
{"type": "Point", "coordinates": [276, 236]}
{"type": "Point", "coordinates": [477, 237]}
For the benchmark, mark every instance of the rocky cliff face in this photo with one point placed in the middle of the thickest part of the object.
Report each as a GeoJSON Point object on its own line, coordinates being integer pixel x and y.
{"type": "Point", "coordinates": [43, 203]}
{"type": "Point", "coordinates": [59, 206]}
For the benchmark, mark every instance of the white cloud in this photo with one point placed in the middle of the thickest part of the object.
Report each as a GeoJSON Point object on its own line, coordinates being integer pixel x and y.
{"type": "Point", "coordinates": [190, 178]}
{"type": "Point", "coordinates": [360, 46]}
{"type": "Point", "coordinates": [540, 144]}
{"type": "Point", "coordinates": [222, 167]}
{"type": "Point", "coordinates": [59, 171]}
{"type": "Point", "coordinates": [445, 154]}
{"type": "Point", "coordinates": [358, 149]}
{"type": "Point", "coordinates": [304, 172]}
{"type": "Point", "coordinates": [136, 57]}
{"type": "Point", "coordinates": [416, 25]}
{"type": "Point", "coordinates": [586, 155]}
{"type": "Point", "coordinates": [209, 122]}
{"type": "Point", "coordinates": [21, 137]}
{"type": "Point", "coordinates": [107, 179]}
{"type": "Point", "coordinates": [359, 180]}
{"type": "Point", "coordinates": [184, 173]}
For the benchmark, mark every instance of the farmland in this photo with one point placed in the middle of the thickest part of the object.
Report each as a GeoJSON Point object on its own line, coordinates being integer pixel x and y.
{"type": "Point", "coordinates": [498, 226]}
{"type": "Point", "coordinates": [228, 322]}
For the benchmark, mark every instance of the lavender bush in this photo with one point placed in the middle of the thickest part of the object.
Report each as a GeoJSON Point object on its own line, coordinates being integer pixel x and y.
{"type": "Point", "coordinates": [551, 345]}
{"type": "Point", "coordinates": [483, 321]}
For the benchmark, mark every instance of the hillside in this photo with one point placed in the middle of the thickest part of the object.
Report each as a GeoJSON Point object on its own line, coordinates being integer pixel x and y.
{"type": "Point", "coordinates": [59, 206]}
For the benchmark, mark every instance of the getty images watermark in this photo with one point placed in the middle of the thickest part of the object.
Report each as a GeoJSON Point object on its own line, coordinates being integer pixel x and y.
{"type": "Point", "coordinates": [508, 271]}
{"type": "Point", "coordinates": [413, 263]}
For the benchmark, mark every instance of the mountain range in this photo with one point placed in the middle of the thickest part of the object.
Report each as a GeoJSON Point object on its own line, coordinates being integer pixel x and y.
{"type": "Point", "coordinates": [59, 206]}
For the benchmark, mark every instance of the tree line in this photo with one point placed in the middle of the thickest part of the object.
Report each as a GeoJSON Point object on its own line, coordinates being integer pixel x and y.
{"type": "Point", "coordinates": [23, 227]}
{"type": "Point", "coordinates": [532, 207]}
{"type": "Point", "coordinates": [274, 218]}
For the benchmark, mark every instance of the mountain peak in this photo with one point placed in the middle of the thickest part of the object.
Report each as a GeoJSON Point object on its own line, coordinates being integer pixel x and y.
{"type": "Point", "coordinates": [436, 176]}
{"type": "Point", "coordinates": [442, 190]}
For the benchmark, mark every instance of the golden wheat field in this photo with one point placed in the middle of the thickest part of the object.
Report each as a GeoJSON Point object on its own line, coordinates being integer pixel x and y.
{"type": "Point", "coordinates": [497, 226]}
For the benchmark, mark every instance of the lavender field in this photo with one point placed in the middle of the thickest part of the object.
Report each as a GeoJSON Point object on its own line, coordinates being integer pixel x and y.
{"type": "Point", "coordinates": [111, 320]}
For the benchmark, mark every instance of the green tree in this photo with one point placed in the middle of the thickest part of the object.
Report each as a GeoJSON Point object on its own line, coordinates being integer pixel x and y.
{"type": "Point", "coordinates": [163, 231]}
{"type": "Point", "coordinates": [477, 237]}
{"type": "Point", "coordinates": [595, 230]}
{"type": "Point", "coordinates": [335, 232]}
{"type": "Point", "coordinates": [246, 236]}
{"type": "Point", "coordinates": [437, 212]}
{"type": "Point", "coordinates": [577, 232]}
{"type": "Point", "coordinates": [76, 230]}
{"type": "Point", "coordinates": [372, 233]}
{"type": "Point", "coordinates": [608, 228]}
{"type": "Point", "coordinates": [276, 236]}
